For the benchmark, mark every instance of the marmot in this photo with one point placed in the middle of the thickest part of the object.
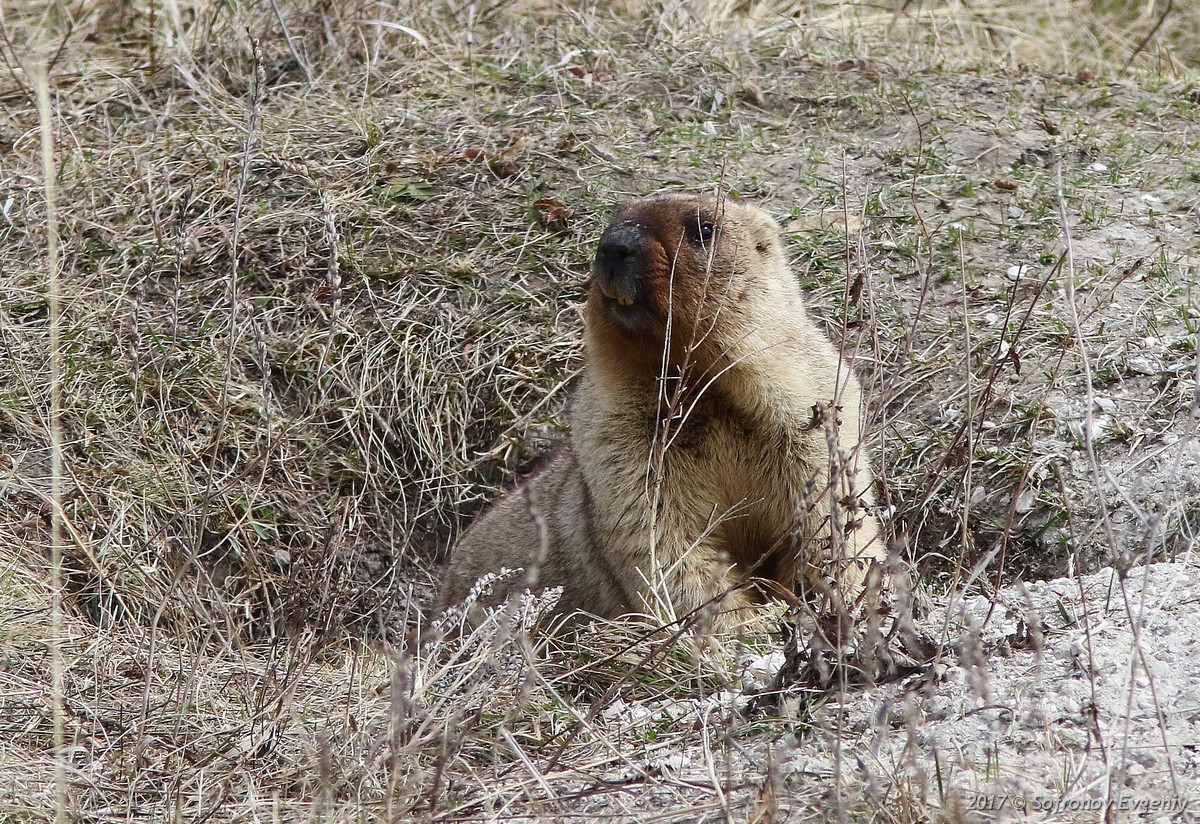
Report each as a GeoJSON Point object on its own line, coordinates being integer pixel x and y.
{"type": "Point", "coordinates": [709, 415]}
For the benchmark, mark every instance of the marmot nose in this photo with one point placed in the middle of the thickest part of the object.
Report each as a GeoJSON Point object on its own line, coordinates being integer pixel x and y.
{"type": "Point", "coordinates": [621, 241]}
{"type": "Point", "coordinates": [621, 260]}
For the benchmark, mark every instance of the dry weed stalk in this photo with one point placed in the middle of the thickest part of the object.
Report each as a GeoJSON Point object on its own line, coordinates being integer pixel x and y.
{"type": "Point", "coordinates": [54, 427]}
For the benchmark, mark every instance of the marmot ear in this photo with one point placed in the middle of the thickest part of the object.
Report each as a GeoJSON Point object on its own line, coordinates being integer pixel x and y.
{"type": "Point", "coordinates": [765, 236]}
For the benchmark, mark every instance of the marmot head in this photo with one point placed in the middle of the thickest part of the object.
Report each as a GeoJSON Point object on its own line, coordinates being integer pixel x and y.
{"type": "Point", "coordinates": [682, 276]}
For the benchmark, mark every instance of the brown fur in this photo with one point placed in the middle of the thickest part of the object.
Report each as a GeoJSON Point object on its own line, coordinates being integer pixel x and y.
{"type": "Point", "coordinates": [702, 432]}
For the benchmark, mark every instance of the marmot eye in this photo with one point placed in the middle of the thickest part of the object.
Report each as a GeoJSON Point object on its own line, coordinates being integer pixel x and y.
{"type": "Point", "coordinates": [704, 233]}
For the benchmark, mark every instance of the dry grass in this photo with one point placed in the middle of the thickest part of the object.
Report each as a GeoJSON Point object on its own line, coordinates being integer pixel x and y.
{"type": "Point", "coordinates": [317, 307]}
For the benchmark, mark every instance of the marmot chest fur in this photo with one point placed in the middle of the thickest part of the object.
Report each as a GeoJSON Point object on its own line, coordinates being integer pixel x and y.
{"type": "Point", "coordinates": [715, 449]}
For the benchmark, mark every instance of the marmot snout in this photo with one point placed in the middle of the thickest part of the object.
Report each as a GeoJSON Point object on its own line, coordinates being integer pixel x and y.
{"type": "Point", "coordinates": [715, 446]}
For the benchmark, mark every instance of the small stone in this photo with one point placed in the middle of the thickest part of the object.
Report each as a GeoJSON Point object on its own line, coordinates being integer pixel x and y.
{"type": "Point", "coordinates": [762, 670]}
{"type": "Point", "coordinates": [1142, 366]}
{"type": "Point", "coordinates": [1099, 426]}
{"type": "Point", "coordinates": [674, 762]}
{"type": "Point", "coordinates": [1071, 739]}
{"type": "Point", "coordinates": [1147, 757]}
{"type": "Point", "coordinates": [1133, 770]}
{"type": "Point", "coordinates": [938, 708]}
{"type": "Point", "coordinates": [1025, 501]}
{"type": "Point", "coordinates": [954, 675]}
